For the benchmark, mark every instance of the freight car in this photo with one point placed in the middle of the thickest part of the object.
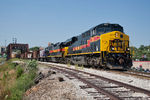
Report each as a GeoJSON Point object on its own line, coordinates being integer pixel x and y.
{"type": "Point", "coordinates": [105, 45]}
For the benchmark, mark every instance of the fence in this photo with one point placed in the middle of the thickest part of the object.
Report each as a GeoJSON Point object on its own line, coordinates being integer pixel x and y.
{"type": "Point", "coordinates": [144, 64]}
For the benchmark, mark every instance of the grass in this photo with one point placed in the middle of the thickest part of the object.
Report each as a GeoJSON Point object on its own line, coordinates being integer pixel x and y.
{"type": "Point", "coordinates": [76, 66]}
{"type": "Point", "coordinates": [20, 71]}
{"type": "Point", "coordinates": [82, 67]}
{"type": "Point", "coordinates": [15, 80]}
{"type": "Point", "coordinates": [2, 59]}
{"type": "Point", "coordinates": [24, 82]}
{"type": "Point", "coordinates": [69, 65]}
{"type": "Point", "coordinates": [7, 76]}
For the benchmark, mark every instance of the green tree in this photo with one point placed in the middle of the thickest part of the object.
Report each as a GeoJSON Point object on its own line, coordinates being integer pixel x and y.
{"type": "Point", "coordinates": [141, 53]}
{"type": "Point", "coordinates": [34, 48]}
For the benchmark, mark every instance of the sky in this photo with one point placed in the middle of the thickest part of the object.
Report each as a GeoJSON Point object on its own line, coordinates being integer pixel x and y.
{"type": "Point", "coordinates": [38, 22]}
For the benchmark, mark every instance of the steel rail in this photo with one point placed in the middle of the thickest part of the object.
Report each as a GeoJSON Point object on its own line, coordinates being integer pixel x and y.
{"type": "Point", "coordinates": [140, 74]}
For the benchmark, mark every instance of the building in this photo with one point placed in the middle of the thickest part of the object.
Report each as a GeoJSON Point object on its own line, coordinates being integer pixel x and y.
{"type": "Point", "coordinates": [15, 50]}
{"type": "Point", "coordinates": [2, 49]}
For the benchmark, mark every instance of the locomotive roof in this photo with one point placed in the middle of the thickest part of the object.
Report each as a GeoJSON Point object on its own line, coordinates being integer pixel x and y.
{"type": "Point", "coordinates": [104, 25]}
{"type": "Point", "coordinates": [100, 25]}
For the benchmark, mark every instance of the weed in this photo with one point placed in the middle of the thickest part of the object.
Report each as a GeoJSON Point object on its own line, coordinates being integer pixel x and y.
{"type": "Point", "coordinates": [68, 65]}
{"type": "Point", "coordinates": [32, 64]}
{"type": "Point", "coordinates": [24, 81]}
{"type": "Point", "coordinates": [5, 77]}
{"type": "Point", "coordinates": [76, 66]}
{"type": "Point", "coordinates": [21, 81]}
{"type": "Point", "coordinates": [82, 67]}
{"type": "Point", "coordinates": [20, 71]}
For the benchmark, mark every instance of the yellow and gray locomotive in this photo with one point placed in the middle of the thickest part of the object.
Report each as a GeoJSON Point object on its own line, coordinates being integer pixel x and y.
{"type": "Point", "coordinates": [105, 45]}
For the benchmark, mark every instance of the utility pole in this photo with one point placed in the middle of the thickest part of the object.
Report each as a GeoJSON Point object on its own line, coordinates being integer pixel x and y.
{"type": "Point", "coordinates": [13, 40]}
{"type": "Point", "coordinates": [5, 43]}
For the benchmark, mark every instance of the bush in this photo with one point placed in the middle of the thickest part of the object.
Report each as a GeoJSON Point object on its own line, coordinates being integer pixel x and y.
{"type": "Point", "coordinates": [24, 82]}
{"type": "Point", "coordinates": [32, 64]}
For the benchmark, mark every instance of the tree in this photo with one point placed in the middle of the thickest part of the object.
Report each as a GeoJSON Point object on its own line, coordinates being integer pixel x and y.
{"type": "Point", "coordinates": [141, 53]}
{"type": "Point", "coordinates": [34, 48]}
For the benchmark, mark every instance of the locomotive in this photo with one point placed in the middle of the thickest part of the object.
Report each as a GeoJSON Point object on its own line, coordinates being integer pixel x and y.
{"type": "Point", "coordinates": [105, 45]}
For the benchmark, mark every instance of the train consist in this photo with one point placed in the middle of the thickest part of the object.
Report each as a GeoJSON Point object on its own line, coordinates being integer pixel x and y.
{"type": "Point", "coordinates": [105, 45]}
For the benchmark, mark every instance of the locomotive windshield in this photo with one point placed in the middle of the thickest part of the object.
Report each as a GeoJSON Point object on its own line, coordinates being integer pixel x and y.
{"type": "Point", "coordinates": [104, 28]}
{"type": "Point", "coordinates": [117, 28]}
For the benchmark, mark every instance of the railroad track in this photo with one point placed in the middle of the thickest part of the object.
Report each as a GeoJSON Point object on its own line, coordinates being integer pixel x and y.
{"type": "Point", "coordinates": [133, 73]}
{"type": "Point", "coordinates": [141, 74]}
{"type": "Point", "coordinates": [105, 89]}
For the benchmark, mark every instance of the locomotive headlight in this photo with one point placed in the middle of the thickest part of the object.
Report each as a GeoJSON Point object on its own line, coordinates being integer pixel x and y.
{"type": "Point", "coordinates": [128, 48]}
{"type": "Point", "coordinates": [112, 48]}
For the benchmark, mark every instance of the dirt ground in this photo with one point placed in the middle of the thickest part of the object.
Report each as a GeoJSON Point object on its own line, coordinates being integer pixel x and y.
{"type": "Point", "coordinates": [54, 86]}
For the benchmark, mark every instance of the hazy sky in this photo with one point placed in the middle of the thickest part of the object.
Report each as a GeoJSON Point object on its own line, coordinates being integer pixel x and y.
{"type": "Point", "coordinates": [38, 22]}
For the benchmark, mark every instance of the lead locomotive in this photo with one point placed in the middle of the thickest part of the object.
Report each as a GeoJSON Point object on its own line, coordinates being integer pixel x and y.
{"type": "Point", "coordinates": [105, 45]}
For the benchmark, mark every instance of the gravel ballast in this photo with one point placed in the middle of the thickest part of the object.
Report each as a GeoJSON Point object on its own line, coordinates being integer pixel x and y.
{"type": "Point", "coordinates": [128, 79]}
{"type": "Point", "coordinates": [56, 87]}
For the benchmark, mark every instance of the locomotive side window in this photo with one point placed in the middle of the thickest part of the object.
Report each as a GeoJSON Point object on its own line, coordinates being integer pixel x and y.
{"type": "Point", "coordinates": [107, 29]}
{"type": "Point", "coordinates": [86, 34]}
{"type": "Point", "coordinates": [93, 32]}
{"type": "Point", "coordinates": [100, 30]}
{"type": "Point", "coordinates": [83, 35]}
{"type": "Point", "coordinates": [103, 29]}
